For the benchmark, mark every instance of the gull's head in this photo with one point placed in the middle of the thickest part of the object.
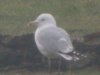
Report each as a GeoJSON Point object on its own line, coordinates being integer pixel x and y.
{"type": "Point", "coordinates": [44, 19]}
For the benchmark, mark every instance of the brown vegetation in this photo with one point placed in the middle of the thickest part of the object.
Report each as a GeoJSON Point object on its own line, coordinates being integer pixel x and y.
{"type": "Point", "coordinates": [21, 52]}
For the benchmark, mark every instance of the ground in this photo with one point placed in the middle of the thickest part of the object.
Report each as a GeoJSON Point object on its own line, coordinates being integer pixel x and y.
{"type": "Point", "coordinates": [77, 17]}
{"type": "Point", "coordinates": [81, 16]}
{"type": "Point", "coordinates": [70, 72]}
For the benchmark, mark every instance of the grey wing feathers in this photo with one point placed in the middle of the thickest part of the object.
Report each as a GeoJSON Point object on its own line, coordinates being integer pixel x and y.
{"type": "Point", "coordinates": [65, 44]}
{"type": "Point", "coordinates": [55, 39]}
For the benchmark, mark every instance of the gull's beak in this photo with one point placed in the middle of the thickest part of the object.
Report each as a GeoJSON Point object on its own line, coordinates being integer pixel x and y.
{"type": "Point", "coordinates": [31, 23]}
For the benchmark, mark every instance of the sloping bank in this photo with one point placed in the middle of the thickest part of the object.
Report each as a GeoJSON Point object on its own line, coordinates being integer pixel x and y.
{"type": "Point", "coordinates": [21, 52]}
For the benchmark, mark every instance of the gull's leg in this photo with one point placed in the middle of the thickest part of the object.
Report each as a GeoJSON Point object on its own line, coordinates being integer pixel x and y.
{"type": "Point", "coordinates": [49, 65]}
{"type": "Point", "coordinates": [70, 70]}
{"type": "Point", "coordinates": [43, 59]}
{"type": "Point", "coordinates": [59, 66]}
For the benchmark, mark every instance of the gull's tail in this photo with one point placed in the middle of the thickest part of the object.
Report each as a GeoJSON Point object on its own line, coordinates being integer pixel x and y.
{"type": "Point", "coordinates": [74, 56]}
{"type": "Point", "coordinates": [65, 56]}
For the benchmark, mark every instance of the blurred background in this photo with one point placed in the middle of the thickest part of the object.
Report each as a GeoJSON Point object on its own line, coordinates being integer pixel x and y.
{"type": "Point", "coordinates": [18, 52]}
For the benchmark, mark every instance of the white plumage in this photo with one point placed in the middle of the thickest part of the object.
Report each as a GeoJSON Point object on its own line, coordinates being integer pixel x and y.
{"type": "Point", "coordinates": [51, 40]}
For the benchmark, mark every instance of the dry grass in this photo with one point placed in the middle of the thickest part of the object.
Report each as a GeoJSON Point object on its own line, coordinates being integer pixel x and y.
{"type": "Point", "coordinates": [81, 15]}
{"type": "Point", "coordinates": [77, 72]}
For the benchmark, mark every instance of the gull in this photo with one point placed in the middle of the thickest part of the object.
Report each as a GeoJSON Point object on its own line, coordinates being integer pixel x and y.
{"type": "Point", "coordinates": [52, 41]}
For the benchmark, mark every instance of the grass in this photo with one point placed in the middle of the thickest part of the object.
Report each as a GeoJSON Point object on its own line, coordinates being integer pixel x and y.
{"type": "Point", "coordinates": [80, 15]}
{"type": "Point", "coordinates": [77, 72]}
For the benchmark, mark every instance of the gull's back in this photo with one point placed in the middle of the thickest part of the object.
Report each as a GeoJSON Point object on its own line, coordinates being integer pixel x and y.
{"type": "Point", "coordinates": [52, 40]}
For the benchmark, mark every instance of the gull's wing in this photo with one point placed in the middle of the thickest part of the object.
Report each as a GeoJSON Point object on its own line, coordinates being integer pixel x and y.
{"type": "Point", "coordinates": [65, 45]}
{"type": "Point", "coordinates": [55, 39]}
{"type": "Point", "coordinates": [65, 42]}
